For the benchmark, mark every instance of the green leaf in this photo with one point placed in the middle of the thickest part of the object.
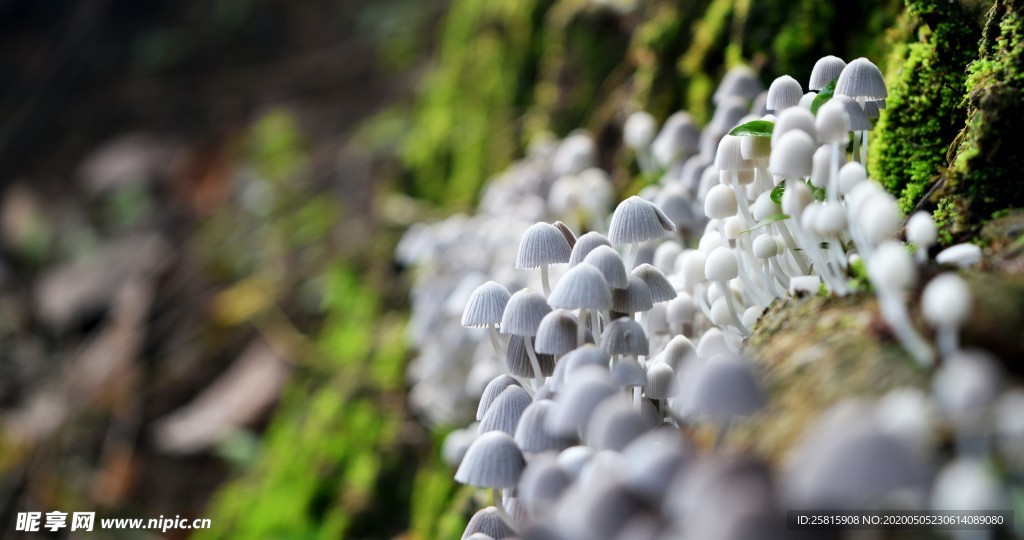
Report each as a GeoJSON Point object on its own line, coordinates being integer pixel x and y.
{"type": "Point", "coordinates": [824, 95]}
{"type": "Point", "coordinates": [754, 128]}
{"type": "Point", "coordinates": [767, 221]}
{"type": "Point", "coordinates": [776, 194]}
{"type": "Point", "coordinates": [819, 194]}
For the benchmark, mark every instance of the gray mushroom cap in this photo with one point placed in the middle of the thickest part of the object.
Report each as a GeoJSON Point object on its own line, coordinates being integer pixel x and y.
{"type": "Point", "coordinates": [609, 262]}
{"type": "Point", "coordinates": [542, 244]}
{"type": "Point", "coordinates": [826, 70]}
{"type": "Point", "coordinates": [725, 388]}
{"type": "Point", "coordinates": [504, 413]}
{"type": "Point", "coordinates": [661, 289]}
{"type": "Point", "coordinates": [861, 78]}
{"type": "Point", "coordinates": [583, 392]}
{"type": "Point", "coordinates": [661, 381]}
{"type": "Point", "coordinates": [783, 93]}
{"type": "Point", "coordinates": [637, 220]}
{"type": "Point", "coordinates": [525, 309]}
{"type": "Point", "coordinates": [614, 424]}
{"type": "Point", "coordinates": [570, 237]}
{"type": "Point", "coordinates": [633, 298]}
{"type": "Point", "coordinates": [485, 306]}
{"type": "Point", "coordinates": [488, 523]}
{"type": "Point", "coordinates": [556, 334]}
{"type": "Point", "coordinates": [582, 287]}
{"type": "Point", "coordinates": [678, 349]}
{"type": "Point", "coordinates": [585, 244]}
{"type": "Point", "coordinates": [625, 336]}
{"type": "Point", "coordinates": [532, 434]}
{"type": "Point", "coordinates": [629, 372]}
{"type": "Point", "coordinates": [492, 391]}
{"type": "Point", "coordinates": [588, 354]}
{"type": "Point", "coordinates": [740, 81]}
{"type": "Point", "coordinates": [542, 483]}
{"type": "Point", "coordinates": [517, 359]}
{"type": "Point", "coordinates": [493, 460]}
{"type": "Point", "coordinates": [859, 120]}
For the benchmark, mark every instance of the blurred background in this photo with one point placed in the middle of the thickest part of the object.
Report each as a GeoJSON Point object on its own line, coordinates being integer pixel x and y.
{"type": "Point", "coordinates": [199, 200]}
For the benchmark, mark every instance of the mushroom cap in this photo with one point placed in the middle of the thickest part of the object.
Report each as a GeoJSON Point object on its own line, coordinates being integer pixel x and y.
{"type": "Point", "coordinates": [523, 313]}
{"type": "Point", "coordinates": [678, 349]}
{"type": "Point", "coordinates": [765, 247]}
{"type": "Point", "coordinates": [661, 289]}
{"type": "Point", "coordinates": [793, 119]}
{"type": "Point", "coordinates": [680, 310]}
{"type": "Point", "coordinates": [574, 154]}
{"type": "Point", "coordinates": [720, 202]}
{"type": "Point", "coordinates": [764, 206]}
{"type": "Point", "coordinates": [666, 255]}
{"type": "Point", "coordinates": [609, 262]}
{"type": "Point", "coordinates": [636, 220]}
{"type": "Point", "coordinates": [861, 78]}
{"type": "Point", "coordinates": [504, 413]}
{"type": "Point", "coordinates": [488, 523]}
{"type": "Point", "coordinates": [721, 265]}
{"type": "Point", "coordinates": [784, 92]}
{"type": "Point", "coordinates": [871, 109]}
{"type": "Point", "coordinates": [661, 381]}
{"type": "Point", "coordinates": [567, 233]}
{"type": "Point", "coordinates": [712, 342]}
{"type": "Point", "coordinates": [960, 255]}
{"type": "Point", "coordinates": [729, 156]}
{"type": "Point", "coordinates": [796, 198]}
{"type": "Point", "coordinates": [678, 138]}
{"type": "Point", "coordinates": [879, 217]}
{"type": "Point", "coordinates": [582, 287]}
{"type": "Point", "coordinates": [740, 81]}
{"type": "Point", "coordinates": [517, 359]}
{"type": "Point", "coordinates": [493, 460]}
{"type": "Point", "coordinates": [635, 297]}
{"type": "Point", "coordinates": [850, 175]}
{"type": "Point", "coordinates": [625, 336]}
{"type": "Point", "coordinates": [728, 114]}
{"type": "Point", "coordinates": [532, 434]}
{"type": "Point", "coordinates": [693, 264]}
{"type": "Point", "coordinates": [585, 244]}
{"type": "Point", "coordinates": [967, 484]}
{"type": "Point", "coordinates": [758, 148]}
{"type": "Point", "coordinates": [485, 306]}
{"type": "Point", "coordinates": [831, 219]}
{"type": "Point", "coordinates": [542, 483]}
{"type": "Point", "coordinates": [588, 354]}
{"type": "Point", "coordinates": [576, 403]}
{"type": "Point", "coordinates": [891, 268]}
{"type": "Point", "coordinates": [614, 424]}
{"type": "Point", "coordinates": [856, 116]}
{"type": "Point", "coordinates": [967, 384]}
{"type": "Point", "coordinates": [826, 70]}
{"type": "Point", "coordinates": [492, 391]}
{"type": "Point", "coordinates": [639, 130]}
{"type": "Point", "coordinates": [556, 334]}
{"type": "Point", "coordinates": [726, 388]}
{"type": "Point", "coordinates": [542, 244]}
{"type": "Point", "coordinates": [629, 372]}
{"type": "Point", "coordinates": [792, 155]}
{"type": "Point", "coordinates": [678, 206]}
{"type": "Point", "coordinates": [833, 122]}
{"type": "Point", "coordinates": [921, 230]}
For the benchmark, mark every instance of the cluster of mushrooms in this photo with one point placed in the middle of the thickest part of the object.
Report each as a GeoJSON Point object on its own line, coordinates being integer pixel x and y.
{"type": "Point", "coordinates": [594, 356]}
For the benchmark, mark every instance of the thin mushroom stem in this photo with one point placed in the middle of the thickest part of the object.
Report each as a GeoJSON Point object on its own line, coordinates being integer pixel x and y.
{"type": "Point", "coordinates": [947, 339]}
{"type": "Point", "coordinates": [545, 283]}
{"type": "Point", "coordinates": [500, 505]}
{"type": "Point", "coordinates": [895, 315]}
{"type": "Point", "coordinates": [493, 332]}
{"type": "Point", "coordinates": [781, 276]}
{"type": "Point", "coordinates": [581, 329]}
{"type": "Point", "coordinates": [833, 175]}
{"type": "Point", "coordinates": [634, 248]}
{"type": "Point", "coordinates": [730, 301]}
{"type": "Point", "coordinates": [538, 378]}
{"type": "Point", "coordinates": [800, 261]}
{"type": "Point", "coordinates": [636, 398]}
{"type": "Point", "coordinates": [768, 284]}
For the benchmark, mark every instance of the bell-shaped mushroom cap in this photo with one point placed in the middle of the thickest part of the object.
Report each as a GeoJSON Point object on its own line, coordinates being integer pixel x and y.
{"type": "Point", "coordinates": [793, 119]}
{"type": "Point", "coordinates": [845, 462]}
{"type": "Point", "coordinates": [504, 413]}
{"type": "Point", "coordinates": [493, 460]}
{"type": "Point", "coordinates": [582, 287]}
{"type": "Point", "coordinates": [588, 354]}
{"type": "Point", "coordinates": [635, 297]}
{"type": "Point", "coordinates": [721, 265]}
{"type": "Point", "coordinates": [576, 153]}
{"type": "Point", "coordinates": [793, 155]}
{"type": "Point", "coordinates": [861, 78]}
{"type": "Point", "coordinates": [966, 384]}
{"type": "Point", "coordinates": [523, 313]}
{"type": "Point", "coordinates": [765, 247]}
{"type": "Point", "coordinates": [639, 130]}
{"type": "Point", "coordinates": [656, 458]}
{"type": "Point", "coordinates": [493, 390]}
{"type": "Point", "coordinates": [891, 267]}
{"type": "Point", "coordinates": [572, 460]}
{"type": "Point", "coordinates": [850, 175]}
{"type": "Point", "coordinates": [542, 244]}
{"type": "Point", "coordinates": [871, 109]}
{"type": "Point", "coordinates": [614, 424]}
{"type": "Point", "coordinates": [629, 372]}
{"type": "Point", "coordinates": [946, 301]}
{"type": "Point", "coordinates": [967, 484]}
{"type": "Point", "coordinates": [676, 351]}
{"type": "Point", "coordinates": [712, 342]}
{"type": "Point", "coordinates": [636, 220]}
{"type": "Point", "coordinates": [729, 156]}
{"type": "Point", "coordinates": [666, 255]}
{"type": "Point", "coordinates": [728, 114]}
{"type": "Point", "coordinates": [532, 434]}
{"type": "Point", "coordinates": [588, 387]}
{"type": "Point", "coordinates": [921, 230]}
{"type": "Point", "coordinates": [826, 70]}
{"type": "Point", "coordinates": [784, 92]}
{"type": "Point", "coordinates": [679, 138]}
{"type": "Point", "coordinates": [517, 359]}
{"type": "Point", "coordinates": [485, 306]}
{"type": "Point", "coordinates": [542, 482]}
{"type": "Point", "coordinates": [597, 512]}
{"type": "Point", "coordinates": [488, 522]}
{"type": "Point", "coordinates": [661, 289]}
{"type": "Point", "coordinates": [725, 388]}
{"type": "Point", "coordinates": [758, 148]}
{"type": "Point", "coordinates": [740, 81]}
{"type": "Point", "coordinates": [720, 202]}
{"type": "Point", "coordinates": [656, 323]}
{"type": "Point", "coordinates": [858, 119]}
{"type": "Point", "coordinates": [960, 255]}
{"type": "Point", "coordinates": [624, 336]}
{"type": "Point", "coordinates": [585, 244]}
{"type": "Point", "coordinates": [570, 236]}
{"type": "Point", "coordinates": [609, 262]}
{"type": "Point", "coordinates": [661, 381]}
{"type": "Point", "coordinates": [557, 333]}
{"type": "Point", "coordinates": [833, 122]}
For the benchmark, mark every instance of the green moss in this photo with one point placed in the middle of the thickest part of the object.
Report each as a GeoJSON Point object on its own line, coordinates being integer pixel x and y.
{"type": "Point", "coordinates": [923, 111]}
{"type": "Point", "coordinates": [988, 161]}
